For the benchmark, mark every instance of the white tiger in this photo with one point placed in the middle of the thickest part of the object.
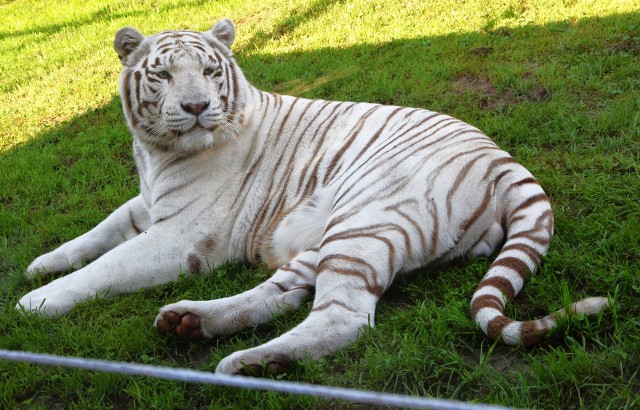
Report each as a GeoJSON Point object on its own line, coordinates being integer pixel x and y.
{"type": "Point", "coordinates": [339, 197]}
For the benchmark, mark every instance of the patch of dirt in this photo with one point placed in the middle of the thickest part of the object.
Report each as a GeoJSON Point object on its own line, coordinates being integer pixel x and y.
{"type": "Point", "coordinates": [189, 356]}
{"type": "Point", "coordinates": [481, 51]}
{"type": "Point", "coordinates": [476, 84]}
{"type": "Point", "coordinates": [628, 45]}
{"type": "Point", "coordinates": [489, 97]}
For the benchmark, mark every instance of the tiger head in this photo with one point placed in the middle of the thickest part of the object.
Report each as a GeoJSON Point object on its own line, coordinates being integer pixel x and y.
{"type": "Point", "coordinates": [181, 90]}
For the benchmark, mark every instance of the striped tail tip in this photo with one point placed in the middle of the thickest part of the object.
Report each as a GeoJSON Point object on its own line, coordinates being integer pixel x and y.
{"type": "Point", "coordinates": [530, 333]}
{"type": "Point", "coordinates": [588, 306]}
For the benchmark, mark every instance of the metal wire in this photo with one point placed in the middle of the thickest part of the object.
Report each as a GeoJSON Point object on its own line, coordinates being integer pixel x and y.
{"type": "Point", "coordinates": [195, 376]}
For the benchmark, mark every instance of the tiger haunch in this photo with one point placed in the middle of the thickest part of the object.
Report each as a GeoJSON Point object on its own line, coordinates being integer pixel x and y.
{"type": "Point", "coordinates": [338, 197]}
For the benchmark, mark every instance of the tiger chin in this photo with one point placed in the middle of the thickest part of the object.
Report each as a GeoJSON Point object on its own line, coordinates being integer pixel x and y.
{"type": "Point", "coordinates": [338, 198]}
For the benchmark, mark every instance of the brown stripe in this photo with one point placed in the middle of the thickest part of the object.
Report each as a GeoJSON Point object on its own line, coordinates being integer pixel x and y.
{"type": "Point", "coordinates": [288, 268]}
{"type": "Point", "coordinates": [282, 288]}
{"type": "Point", "coordinates": [542, 197]}
{"type": "Point", "coordinates": [478, 212]}
{"type": "Point", "coordinates": [249, 173]}
{"type": "Point", "coordinates": [193, 34]}
{"type": "Point", "coordinates": [533, 254]}
{"type": "Point", "coordinates": [170, 191]}
{"type": "Point", "coordinates": [341, 201]}
{"type": "Point", "coordinates": [312, 183]}
{"type": "Point", "coordinates": [460, 177]}
{"type": "Point", "coordinates": [416, 226]}
{"type": "Point", "coordinates": [530, 334]}
{"type": "Point", "coordinates": [392, 142]}
{"type": "Point", "coordinates": [332, 303]}
{"type": "Point", "coordinates": [495, 326]}
{"type": "Point", "coordinates": [483, 301]}
{"type": "Point", "coordinates": [236, 87]}
{"type": "Point", "coordinates": [419, 146]}
{"type": "Point", "coordinates": [514, 264]}
{"type": "Point", "coordinates": [256, 162]}
{"type": "Point", "coordinates": [137, 77]}
{"type": "Point", "coordinates": [261, 221]}
{"type": "Point", "coordinates": [329, 260]}
{"type": "Point", "coordinates": [133, 223]}
{"type": "Point", "coordinates": [355, 131]}
{"type": "Point", "coordinates": [126, 93]}
{"type": "Point", "coordinates": [197, 46]}
{"type": "Point", "coordinates": [525, 181]}
{"type": "Point", "coordinates": [337, 220]}
{"type": "Point", "coordinates": [286, 178]}
{"type": "Point", "coordinates": [543, 241]}
{"type": "Point", "coordinates": [373, 288]}
{"type": "Point", "coordinates": [307, 265]}
{"type": "Point", "coordinates": [547, 217]}
{"type": "Point", "coordinates": [176, 159]}
{"type": "Point", "coordinates": [504, 285]}
{"type": "Point", "coordinates": [371, 231]}
{"type": "Point", "coordinates": [497, 163]}
{"type": "Point", "coordinates": [308, 288]}
{"type": "Point", "coordinates": [501, 175]}
{"type": "Point", "coordinates": [188, 204]}
{"type": "Point", "coordinates": [227, 83]}
{"type": "Point", "coordinates": [435, 235]}
{"type": "Point", "coordinates": [376, 135]}
{"type": "Point", "coordinates": [163, 48]}
{"type": "Point", "coordinates": [330, 118]}
{"type": "Point", "coordinates": [283, 122]}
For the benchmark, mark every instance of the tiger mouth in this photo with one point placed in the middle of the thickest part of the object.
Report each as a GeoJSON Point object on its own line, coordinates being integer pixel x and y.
{"type": "Point", "coordinates": [196, 127]}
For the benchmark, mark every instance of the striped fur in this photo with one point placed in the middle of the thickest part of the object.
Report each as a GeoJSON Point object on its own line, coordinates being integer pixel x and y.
{"type": "Point", "coordinates": [336, 197]}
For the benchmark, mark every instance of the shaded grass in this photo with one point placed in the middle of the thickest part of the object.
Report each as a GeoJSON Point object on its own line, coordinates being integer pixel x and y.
{"type": "Point", "coordinates": [555, 85]}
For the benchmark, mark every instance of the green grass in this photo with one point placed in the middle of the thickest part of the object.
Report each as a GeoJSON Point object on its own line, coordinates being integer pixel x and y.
{"type": "Point", "coordinates": [557, 84]}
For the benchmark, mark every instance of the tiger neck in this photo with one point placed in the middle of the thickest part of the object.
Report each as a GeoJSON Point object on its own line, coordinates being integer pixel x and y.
{"type": "Point", "coordinates": [167, 177]}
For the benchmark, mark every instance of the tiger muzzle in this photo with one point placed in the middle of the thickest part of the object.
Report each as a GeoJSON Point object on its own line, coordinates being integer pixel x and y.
{"type": "Point", "coordinates": [195, 108]}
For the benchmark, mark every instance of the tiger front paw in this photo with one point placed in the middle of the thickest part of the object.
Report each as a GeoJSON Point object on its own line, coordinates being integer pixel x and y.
{"type": "Point", "coordinates": [49, 303]}
{"type": "Point", "coordinates": [56, 261]}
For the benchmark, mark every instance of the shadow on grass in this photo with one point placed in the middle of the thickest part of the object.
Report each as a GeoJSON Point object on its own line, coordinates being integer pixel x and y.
{"type": "Point", "coordinates": [540, 92]}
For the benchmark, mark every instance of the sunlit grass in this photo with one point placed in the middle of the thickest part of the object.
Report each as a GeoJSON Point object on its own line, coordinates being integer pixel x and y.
{"type": "Point", "coordinates": [555, 83]}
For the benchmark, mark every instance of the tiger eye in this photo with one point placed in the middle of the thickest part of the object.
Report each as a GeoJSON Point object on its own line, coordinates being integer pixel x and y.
{"type": "Point", "coordinates": [164, 75]}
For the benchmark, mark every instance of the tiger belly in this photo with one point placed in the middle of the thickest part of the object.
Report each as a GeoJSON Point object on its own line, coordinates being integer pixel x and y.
{"type": "Point", "coordinates": [300, 229]}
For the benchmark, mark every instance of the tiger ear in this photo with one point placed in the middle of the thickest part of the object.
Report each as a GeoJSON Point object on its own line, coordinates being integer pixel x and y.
{"type": "Point", "coordinates": [225, 31]}
{"type": "Point", "coordinates": [127, 39]}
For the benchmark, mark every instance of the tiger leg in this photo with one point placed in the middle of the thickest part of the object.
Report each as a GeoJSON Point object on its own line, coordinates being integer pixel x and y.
{"type": "Point", "coordinates": [143, 261]}
{"type": "Point", "coordinates": [351, 278]}
{"type": "Point", "coordinates": [285, 291]}
{"type": "Point", "coordinates": [123, 224]}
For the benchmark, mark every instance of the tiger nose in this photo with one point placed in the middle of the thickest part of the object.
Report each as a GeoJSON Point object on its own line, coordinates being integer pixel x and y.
{"type": "Point", "coordinates": [195, 108]}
